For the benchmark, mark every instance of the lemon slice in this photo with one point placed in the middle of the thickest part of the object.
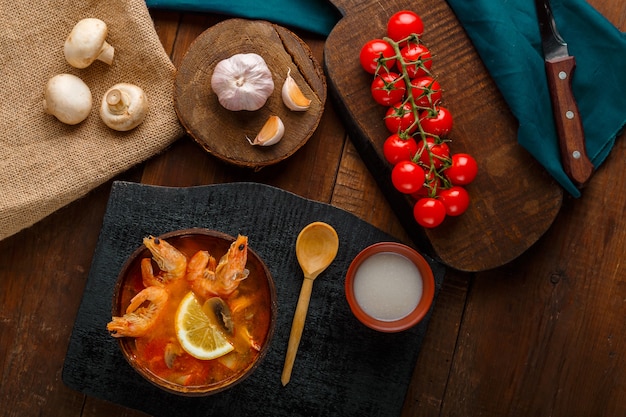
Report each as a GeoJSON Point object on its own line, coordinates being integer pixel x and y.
{"type": "Point", "coordinates": [200, 337]}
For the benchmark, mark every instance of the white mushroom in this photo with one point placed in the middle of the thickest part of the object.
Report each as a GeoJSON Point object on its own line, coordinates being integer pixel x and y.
{"type": "Point", "coordinates": [87, 43]}
{"type": "Point", "coordinates": [67, 98]}
{"type": "Point", "coordinates": [124, 107]}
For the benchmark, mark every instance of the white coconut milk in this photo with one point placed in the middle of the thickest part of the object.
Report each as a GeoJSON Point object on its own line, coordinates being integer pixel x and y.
{"type": "Point", "coordinates": [387, 286]}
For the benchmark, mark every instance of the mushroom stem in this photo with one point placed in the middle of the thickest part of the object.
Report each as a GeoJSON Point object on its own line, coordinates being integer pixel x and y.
{"type": "Point", "coordinates": [106, 53]}
{"type": "Point", "coordinates": [118, 101]}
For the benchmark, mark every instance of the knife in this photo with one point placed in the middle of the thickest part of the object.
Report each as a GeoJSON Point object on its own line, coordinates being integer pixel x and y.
{"type": "Point", "coordinates": [560, 67]}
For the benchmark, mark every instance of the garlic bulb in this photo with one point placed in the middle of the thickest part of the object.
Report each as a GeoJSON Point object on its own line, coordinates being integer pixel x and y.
{"type": "Point", "coordinates": [292, 95]}
{"type": "Point", "coordinates": [271, 132]}
{"type": "Point", "coordinates": [242, 82]}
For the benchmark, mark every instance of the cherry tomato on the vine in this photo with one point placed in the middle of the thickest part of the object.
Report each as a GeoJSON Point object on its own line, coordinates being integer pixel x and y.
{"type": "Point", "coordinates": [455, 199]}
{"type": "Point", "coordinates": [462, 170]}
{"type": "Point", "coordinates": [399, 118]}
{"type": "Point", "coordinates": [417, 58]}
{"type": "Point", "coordinates": [388, 88]}
{"type": "Point", "coordinates": [407, 177]}
{"type": "Point", "coordinates": [397, 148]}
{"type": "Point", "coordinates": [422, 166]}
{"type": "Point", "coordinates": [403, 24]}
{"type": "Point", "coordinates": [377, 51]}
{"type": "Point", "coordinates": [432, 183]}
{"type": "Point", "coordinates": [429, 212]}
{"type": "Point", "coordinates": [433, 153]}
{"type": "Point", "coordinates": [426, 91]}
{"type": "Point", "coordinates": [436, 122]}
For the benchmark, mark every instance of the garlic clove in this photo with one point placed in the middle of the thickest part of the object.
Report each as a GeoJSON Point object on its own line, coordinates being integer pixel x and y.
{"type": "Point", "coordinates": [271, 132]}
{"type": "Point", "coordinates": [293, 96]}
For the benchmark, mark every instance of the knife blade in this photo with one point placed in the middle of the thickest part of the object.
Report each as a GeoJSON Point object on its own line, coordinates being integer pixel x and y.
{"type": "Point", "coordinates": [560, 65]}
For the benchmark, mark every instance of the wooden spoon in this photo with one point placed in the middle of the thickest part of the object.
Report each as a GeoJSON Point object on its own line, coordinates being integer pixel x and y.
{"type": "Point", "coordinates": [316, 248]}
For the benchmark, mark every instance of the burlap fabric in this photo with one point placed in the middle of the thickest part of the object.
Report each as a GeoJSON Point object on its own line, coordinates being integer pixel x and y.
{"type": "Point", "coordinates": [45, 164]}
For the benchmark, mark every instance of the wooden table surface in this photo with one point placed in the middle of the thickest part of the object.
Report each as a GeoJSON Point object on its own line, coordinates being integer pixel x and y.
{"type": "Point", "coordinates": [542, 335]}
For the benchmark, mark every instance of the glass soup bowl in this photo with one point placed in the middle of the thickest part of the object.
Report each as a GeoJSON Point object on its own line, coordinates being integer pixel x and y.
{"type": "Point", "coordinates": [389, 287]}
{"type": "Point", "coordinates": [255, 319]}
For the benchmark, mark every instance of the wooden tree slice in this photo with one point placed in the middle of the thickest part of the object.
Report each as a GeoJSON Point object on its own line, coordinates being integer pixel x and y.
{"type": "Point", "coordinates": [222, 132]}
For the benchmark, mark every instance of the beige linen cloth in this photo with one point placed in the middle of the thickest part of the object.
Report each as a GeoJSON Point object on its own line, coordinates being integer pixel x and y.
{"type": "Point", "coordinates": [45, 164]}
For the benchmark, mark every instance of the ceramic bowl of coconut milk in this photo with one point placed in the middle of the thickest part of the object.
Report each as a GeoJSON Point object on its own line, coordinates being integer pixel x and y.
{"type": "Point", "coordinates": [390, 287]}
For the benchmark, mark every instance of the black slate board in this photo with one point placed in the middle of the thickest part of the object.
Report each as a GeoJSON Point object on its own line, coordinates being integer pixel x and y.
{"type": "Point", "coordinates": [342, 368]}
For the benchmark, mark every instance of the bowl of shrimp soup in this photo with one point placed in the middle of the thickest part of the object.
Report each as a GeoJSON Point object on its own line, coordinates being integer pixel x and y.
{"type": "Point", "coordinates": [194, 311]}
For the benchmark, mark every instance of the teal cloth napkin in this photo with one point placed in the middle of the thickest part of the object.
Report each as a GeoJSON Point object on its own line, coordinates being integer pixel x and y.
{"type": "Point", "coordinates": [317, 16]}
{"type": "Point", "coordinates": [505, 33]}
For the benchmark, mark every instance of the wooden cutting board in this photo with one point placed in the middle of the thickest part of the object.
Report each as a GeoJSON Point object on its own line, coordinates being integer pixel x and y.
{"type": "Point", "coordinates": [513, 200]}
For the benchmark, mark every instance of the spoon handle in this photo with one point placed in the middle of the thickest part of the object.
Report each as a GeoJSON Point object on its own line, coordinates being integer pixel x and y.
{"type": "Point", "coordinates": [296, 329]}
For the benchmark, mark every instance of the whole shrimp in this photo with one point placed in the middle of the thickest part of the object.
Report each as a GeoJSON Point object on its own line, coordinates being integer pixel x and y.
{"type": "Point", "coordinates": [206, 279]}
{"type": "Point", "coordinates": [170, 260]}
{"type": "Point", "coordinates": [139, 320]}
{"type": "Point", "coordinates": [200, 270]}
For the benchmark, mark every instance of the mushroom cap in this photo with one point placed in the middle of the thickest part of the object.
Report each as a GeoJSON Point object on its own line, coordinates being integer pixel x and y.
{"type": "Point", "coordinates": [132, 115]}
{"type": "Point", "coordinates": [85, 42]}
{"type": "Point", "coordinates": [67, 98]}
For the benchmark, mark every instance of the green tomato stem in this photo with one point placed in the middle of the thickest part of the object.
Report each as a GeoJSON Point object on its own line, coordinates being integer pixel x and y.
{"type": "Point", "coordinates": [415, 109]}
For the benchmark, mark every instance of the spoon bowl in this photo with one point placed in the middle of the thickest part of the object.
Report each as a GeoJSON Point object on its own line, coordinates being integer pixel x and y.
{"type": "Point", "coordinates": [316, 248]}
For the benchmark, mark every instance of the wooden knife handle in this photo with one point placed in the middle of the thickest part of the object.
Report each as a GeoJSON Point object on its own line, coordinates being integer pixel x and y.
{"type": "Point", "coordinates": [576, 163]}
